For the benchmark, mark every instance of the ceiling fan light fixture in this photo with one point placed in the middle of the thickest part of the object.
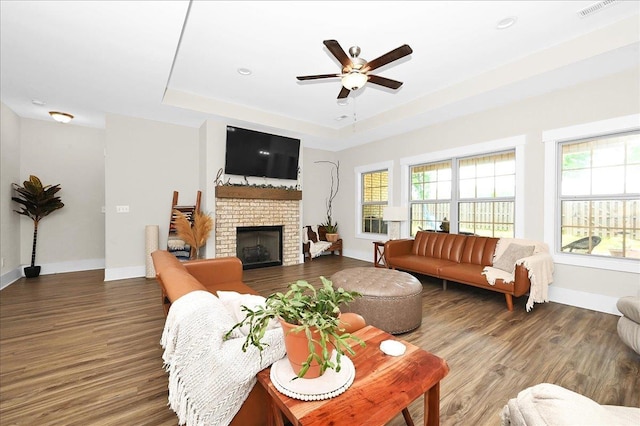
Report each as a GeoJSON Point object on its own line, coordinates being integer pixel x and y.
{"type": "Point", "coordinates": [61, 117]}
{"type": "Point", "coordinates": [354, 80]}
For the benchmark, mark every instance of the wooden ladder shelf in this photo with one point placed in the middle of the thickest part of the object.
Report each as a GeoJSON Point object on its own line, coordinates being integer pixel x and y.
{"type": "Point", "coordinates": [175, 245]}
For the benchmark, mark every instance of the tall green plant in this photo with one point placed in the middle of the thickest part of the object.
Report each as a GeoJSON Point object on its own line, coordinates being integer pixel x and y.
{"type": "Point", "coordinates": [37, 202]}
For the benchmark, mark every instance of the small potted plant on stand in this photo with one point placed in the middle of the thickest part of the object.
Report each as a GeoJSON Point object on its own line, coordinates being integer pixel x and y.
{"type": "Point", "coordinates": [332, 230]}
{"type": "Point", "coordinates": [311, 325]}
{"type": "Point", "coordinates": [37, 202]}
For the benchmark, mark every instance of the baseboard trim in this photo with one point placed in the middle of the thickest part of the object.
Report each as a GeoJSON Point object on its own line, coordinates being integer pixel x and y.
{"type": "Point", "coordinates": [581, 299]}
{"type": "Point", "coordinates": [71, 266]}
{"type": "Point", "coordinates": [52, 268]}
{"type": "Point", "coordinates": [113, 274]}
{"type": "Point", "coordinates": [10, 277]}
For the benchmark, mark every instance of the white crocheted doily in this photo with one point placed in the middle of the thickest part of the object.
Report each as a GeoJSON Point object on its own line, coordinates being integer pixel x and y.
{"type": "Point", "coordinates": [329, 385]}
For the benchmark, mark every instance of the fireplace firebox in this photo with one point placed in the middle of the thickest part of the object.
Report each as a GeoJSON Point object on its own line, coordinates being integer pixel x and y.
{"type": "Point", "coordinates": [259, 246]}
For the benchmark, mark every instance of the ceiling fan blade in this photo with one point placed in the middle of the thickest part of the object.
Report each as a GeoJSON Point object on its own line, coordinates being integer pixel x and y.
{"type": "Point", "coordinates": [337, 51]}
{"type": "Point", "coordinates": [394, 55]}
{"type": "Point", "coordinates": [344, 92]}
{"type": "Point", "coordinates": [386, 82]}
{"type": "Point", "coordinates": [315, 77]}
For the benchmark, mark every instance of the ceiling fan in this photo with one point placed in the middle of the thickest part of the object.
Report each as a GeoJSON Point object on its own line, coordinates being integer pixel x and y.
{"type": "Point", "coordinates": [355, 70]}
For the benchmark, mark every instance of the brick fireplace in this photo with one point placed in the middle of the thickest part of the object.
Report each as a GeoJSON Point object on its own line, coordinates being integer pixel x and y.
{"type": "Point", "coordinates": [252, 207]}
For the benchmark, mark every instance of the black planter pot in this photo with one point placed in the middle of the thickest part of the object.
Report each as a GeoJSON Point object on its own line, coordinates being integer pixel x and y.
{"type": "Point", "coordinates": [31, 271]}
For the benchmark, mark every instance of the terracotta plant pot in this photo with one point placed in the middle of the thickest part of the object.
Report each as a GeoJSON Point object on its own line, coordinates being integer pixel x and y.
{"type": "Point", "coordinates": [297, 346]}
{"type": "Point", "coordinates": [332, 238]}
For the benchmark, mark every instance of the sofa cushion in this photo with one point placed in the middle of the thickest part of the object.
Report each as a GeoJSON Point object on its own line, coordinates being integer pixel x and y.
{"type": "Point", "coordinates": [438, 245]}
{"type": "Point", "coordinates": [629, 333]}
{"type": "Point", "coordinates": [463, 272]}
{"type": "Point", "coordinates": [549, 404]}
{"type": "Point", "coordinates": [234, 301]}
{"type": "Point", "coordinates": [507, 261]}
{"type": "Point", "coordinates": [421, 264]}
{"type": "Point", "coordinates": [479, 250]}
{"type": "Point", "coordinates": [629, 306]}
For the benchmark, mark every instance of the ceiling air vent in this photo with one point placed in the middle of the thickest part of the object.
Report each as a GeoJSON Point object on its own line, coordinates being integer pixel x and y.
{"type": "Point", "coordinates": [596, 7]}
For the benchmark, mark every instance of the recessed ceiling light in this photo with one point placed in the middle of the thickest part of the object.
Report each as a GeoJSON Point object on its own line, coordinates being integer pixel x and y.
{"type": "Point", "coordinates": [38, 102]}
{"type": "Point", "coordinates": [506, 22]}
{"type": "Point", "coordinates": [342, 117]}
{"type": "Point", "coordinates": [244, 71]}
{"type": "Point", "coordinates": [343, 102]}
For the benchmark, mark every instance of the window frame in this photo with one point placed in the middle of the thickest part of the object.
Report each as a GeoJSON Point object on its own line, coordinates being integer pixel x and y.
{"type": "Point", "coordinates": [359, 171]}
{"type": "Point", "coordinates": [479, 149]}
{"type": "Point", "coordinates": [552, 140]}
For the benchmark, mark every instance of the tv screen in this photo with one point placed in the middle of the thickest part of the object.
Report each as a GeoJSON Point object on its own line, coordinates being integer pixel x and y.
{"type": "Point", "coordinates": [251, 153]}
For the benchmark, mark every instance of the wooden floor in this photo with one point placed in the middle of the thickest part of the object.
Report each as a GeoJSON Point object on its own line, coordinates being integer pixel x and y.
{"type": "Point", "coordinates": [75, 350]}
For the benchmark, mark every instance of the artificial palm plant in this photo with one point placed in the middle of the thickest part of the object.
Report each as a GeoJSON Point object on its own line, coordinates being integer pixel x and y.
{"type": "Point", "coordinates": [37, 202]}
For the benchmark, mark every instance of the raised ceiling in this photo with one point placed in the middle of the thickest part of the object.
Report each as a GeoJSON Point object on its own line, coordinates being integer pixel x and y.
{"type": "Point", "coordinates": [177, 61]}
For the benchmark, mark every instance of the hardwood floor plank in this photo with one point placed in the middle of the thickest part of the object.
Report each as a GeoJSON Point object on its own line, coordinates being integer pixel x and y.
{"type": "Point", "coordinates": [75, 350]}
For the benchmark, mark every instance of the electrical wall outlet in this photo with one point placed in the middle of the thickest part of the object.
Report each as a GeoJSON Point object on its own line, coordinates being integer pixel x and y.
{"type": "Point", "coordinates": [122, 209]}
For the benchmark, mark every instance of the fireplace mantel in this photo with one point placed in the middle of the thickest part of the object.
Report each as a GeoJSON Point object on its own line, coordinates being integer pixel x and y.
{"type": "Point", "coordinates": [252, 192]}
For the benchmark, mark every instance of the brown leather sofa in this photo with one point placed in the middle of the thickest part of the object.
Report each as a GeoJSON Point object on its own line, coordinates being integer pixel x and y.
{"type": "Point", "coordinates": [454, 257]}
{"type": "Point", "coordinates": [177, 279]}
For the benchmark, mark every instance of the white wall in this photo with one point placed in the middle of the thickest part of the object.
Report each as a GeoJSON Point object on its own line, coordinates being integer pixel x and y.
{"type": "Point", "coordinates": [72, 238]}
{"type": "Point", "coordinates": [317, 185]}
{"type": "Point", "coordinates": [612, 96]}
{"type": "Point", "coordinates": [146, 161]}
{"type": "Point", "coordinates": [9, 173]}
{"type": "Point", "coordinates": [213, 136]}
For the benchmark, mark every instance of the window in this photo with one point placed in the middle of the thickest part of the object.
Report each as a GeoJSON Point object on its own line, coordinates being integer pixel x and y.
{"type": "Point", "coordinates": [375, 195]}
{"type": "Point", "coordinates": [430, 195]}
{"type": "Point", "coordinates": [599, 196]}
{"type": "Point", "coordinates": [592, 193]}
{"type": "Point", "coordinates": [487, 195]}
{"type": "Point", "coordinates": [477, 192]}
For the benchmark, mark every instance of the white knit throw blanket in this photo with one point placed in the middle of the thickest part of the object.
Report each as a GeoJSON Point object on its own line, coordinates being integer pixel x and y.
{"type": "Point", "coordinates": [539, 265]}
{"type": "Point", "coordinates": [210, 378]}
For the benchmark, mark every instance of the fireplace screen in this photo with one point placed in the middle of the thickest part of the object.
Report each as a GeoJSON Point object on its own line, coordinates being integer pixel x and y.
{"type": "Point", "coordinates": [259, 246]}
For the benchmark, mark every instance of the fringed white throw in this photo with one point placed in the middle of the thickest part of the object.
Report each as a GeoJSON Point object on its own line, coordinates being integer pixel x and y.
{"type": "Point", "coordinates": [315, 249]}
{"type": "Point", "coordinates": [210, 378]}
{"type": "Point", "coordinates": [539, 265]}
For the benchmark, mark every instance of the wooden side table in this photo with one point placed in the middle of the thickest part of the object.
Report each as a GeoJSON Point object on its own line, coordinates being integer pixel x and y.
{"type": "Point", "coordinates": [384, 387]}
{"type": "Point", "coordinates": [379, 260]}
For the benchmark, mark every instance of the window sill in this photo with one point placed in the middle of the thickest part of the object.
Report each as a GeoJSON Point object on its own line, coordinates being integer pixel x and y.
{"type": "Point", "coordinates": [372, 237]}
{"type": "Point", "coordinates": [598, 262]}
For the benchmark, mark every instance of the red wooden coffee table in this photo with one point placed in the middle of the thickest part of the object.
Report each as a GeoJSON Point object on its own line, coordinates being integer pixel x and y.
{"type": "Point", "coordinates": [383, 387]}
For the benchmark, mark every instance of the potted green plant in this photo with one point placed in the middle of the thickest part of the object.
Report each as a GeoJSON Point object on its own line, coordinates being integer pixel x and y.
{"type": "Point", "coordinates": [37, 202]}
{"type": "Point", "coordinates": [332, 230]}
{"type": "Point", "coordinates": [310, 319]}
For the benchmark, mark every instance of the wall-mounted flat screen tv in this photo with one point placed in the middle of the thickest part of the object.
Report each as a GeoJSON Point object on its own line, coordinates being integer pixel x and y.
{"type": "Point", "coordinates": [251, 153]}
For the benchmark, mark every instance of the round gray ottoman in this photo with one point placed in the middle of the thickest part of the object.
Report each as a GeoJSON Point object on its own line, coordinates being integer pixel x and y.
{"type": "Point", "coordinates": [391, 300]}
